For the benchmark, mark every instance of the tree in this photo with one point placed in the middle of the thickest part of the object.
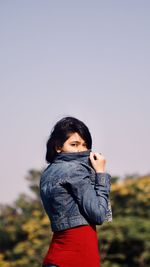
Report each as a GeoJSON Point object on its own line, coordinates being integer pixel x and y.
{"type": "Point", "coordinates": [25, 231]}
{"type": "Point", "coordinates": [126, 241]}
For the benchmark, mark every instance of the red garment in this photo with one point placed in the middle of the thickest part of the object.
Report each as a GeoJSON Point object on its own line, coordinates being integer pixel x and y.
{"type": "Point", "coordinates": [74, 247]}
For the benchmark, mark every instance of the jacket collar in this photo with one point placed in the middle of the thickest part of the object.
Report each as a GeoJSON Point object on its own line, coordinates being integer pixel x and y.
{"type": "Point", "coordinates": [67, 156]}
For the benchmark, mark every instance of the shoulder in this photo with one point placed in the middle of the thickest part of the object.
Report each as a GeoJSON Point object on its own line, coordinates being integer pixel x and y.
{"type": "Point", "coordinates": [67, 167]}
{"type": "Point", "coordinates": [70, 169]}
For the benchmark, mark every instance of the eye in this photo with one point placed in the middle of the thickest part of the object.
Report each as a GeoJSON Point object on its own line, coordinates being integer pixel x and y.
{"type": "Point", "coordinates": [73, 144]}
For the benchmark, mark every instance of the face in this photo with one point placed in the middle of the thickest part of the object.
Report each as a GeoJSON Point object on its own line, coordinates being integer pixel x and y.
{"type": "Point", "coordinates": [73, 144]}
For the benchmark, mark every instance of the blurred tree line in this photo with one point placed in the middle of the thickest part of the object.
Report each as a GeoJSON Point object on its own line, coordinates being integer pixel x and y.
{"type": "Point", "coordinates": [25, 232]}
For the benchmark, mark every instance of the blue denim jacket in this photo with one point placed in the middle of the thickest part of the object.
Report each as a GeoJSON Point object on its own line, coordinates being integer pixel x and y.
{"type": "Point", "coordinates": [72, 193]}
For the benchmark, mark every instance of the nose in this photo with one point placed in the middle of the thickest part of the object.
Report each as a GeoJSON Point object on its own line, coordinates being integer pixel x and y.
{"type": "Point", "coordinates": [81, 148]}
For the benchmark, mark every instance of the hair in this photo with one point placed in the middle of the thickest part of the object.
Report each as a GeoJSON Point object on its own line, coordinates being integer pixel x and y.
{"type": "Point", "coordinates": [62, 131]}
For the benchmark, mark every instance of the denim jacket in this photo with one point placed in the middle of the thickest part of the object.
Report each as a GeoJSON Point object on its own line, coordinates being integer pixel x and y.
{"type": "Point", "coordinates": [73, 194]}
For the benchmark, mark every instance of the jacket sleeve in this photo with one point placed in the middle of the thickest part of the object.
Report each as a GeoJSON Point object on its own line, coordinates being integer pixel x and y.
{"type": "Point", "coordinates": [93, 202]}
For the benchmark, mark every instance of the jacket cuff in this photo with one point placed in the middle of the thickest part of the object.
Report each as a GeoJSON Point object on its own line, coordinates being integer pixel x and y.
{"type": "Point", "coordinates": [102, 179]}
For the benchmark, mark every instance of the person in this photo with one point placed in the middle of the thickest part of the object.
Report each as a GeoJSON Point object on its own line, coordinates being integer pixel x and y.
{"type": "Point", "coordinates": [74, 190]}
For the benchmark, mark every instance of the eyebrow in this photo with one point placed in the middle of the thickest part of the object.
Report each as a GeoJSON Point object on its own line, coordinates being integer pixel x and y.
{"type": "Point", "coordinates": [77, 142]}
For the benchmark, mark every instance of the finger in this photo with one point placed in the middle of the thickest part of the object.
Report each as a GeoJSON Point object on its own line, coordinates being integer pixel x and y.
{"type": "Point", "coordinates": [92, 157]}
{"type": "Point", "coordinates": [97, 155]}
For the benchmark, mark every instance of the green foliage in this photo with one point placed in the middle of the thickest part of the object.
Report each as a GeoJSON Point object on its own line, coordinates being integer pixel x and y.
{"type": "Point", "coordinates": [131, 197]}
{"type": "Point", "coordinates": [125, 242]}
{"type": "Point", "coordinates": [25, 232]}
{"type": "Point", "coordinates": [24, 229]}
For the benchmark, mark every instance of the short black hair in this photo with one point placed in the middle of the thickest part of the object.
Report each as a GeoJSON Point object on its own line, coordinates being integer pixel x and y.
{"type": "Point", "coordinates": [61, 132]}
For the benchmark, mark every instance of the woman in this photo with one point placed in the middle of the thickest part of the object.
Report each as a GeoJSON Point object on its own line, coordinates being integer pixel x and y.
{"type": "Point", "coordinates": [75, 193]}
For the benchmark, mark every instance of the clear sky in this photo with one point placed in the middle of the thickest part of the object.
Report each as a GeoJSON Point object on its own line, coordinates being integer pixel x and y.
{"type": "Point", "coordinates": [88, 59]}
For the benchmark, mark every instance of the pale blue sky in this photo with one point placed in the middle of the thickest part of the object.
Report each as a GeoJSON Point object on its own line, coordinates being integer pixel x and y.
{"type": "Point", "coordinates": [88, 59]}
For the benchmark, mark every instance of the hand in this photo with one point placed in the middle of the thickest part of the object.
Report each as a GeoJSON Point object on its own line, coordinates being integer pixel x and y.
{"type": "Point", "coordinates": [98, 162]}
